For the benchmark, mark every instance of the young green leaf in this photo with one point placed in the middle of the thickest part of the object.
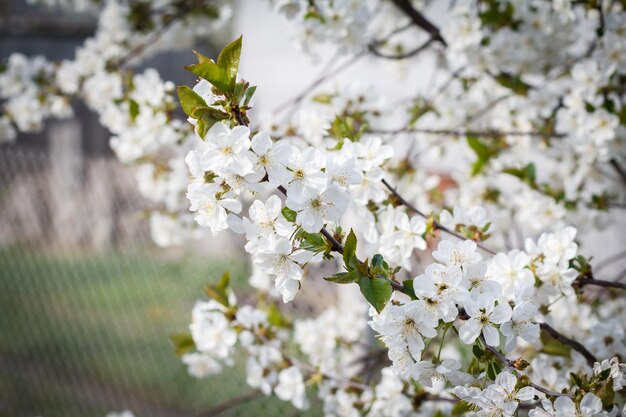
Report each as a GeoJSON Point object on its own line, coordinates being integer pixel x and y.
{"type": "Point", "coordinates": [477, 351]}
{"type": "Point", "coordinates": [214, 293]}
{"type": "Point", "coordinates": [491, 371]}
{"type": "Point", "coordinates": [189, 99]}
{"type": "Point", "coordinates": [222, 285]}
{"type": "Point", "coordinates": [377, 291]}
{"type": "Point", "coordinates": [183, 343]}
{"type": "Point", "coordinates": [219, 292]}
{"type": "Point", "coordinates": [133, 109]}
{"type": "Point", "coordinates": [229, 60]}
{"type": "Point", "coordinates": [344, 277]}
{"type": "Point", "coordinates": [461, 408]}
{"type": "Point", "coordinates": [213, 73]}
{"type": "Point", "coordinates": [483, 154]}
{"type": "Point", "coordinates": [349, 250]}
{"type": "Point", "coordinates": [289, 214]}
{"type": "Point", "coordinates": [528, 174]}
{"type": "Point", "coordinates": [407, 288]}
{"type": "Point", "coordinates": [201, 58]}
{"type": "Point", "coordinates": [207, 117]}
{"type": "Point", "coordinates": [248, 95]}
{"type": "Point", "coordinates": [514, 83]}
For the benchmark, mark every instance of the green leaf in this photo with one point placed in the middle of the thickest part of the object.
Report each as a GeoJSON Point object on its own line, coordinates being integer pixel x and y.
{"type": "Point", "coordinates": [229, 60]}
{"type": "Point", "coordinates": [219, 292]}
{"type": "Point", "coordinates": [606, 394]}
{"type": "Point", "coordinates": [212, 292]}
{"type": "Point", "coordinates": [204, 111]}
{"type": "Point", "coordinates": [275, 317]}
{"type": "Point", "coordinates": [344, 277]}
{"type": "Point", "coordinates": [189, 99]}
{"type": "Point", "coordinates": [323, 98]}
{"type": "Point", "coordinates": [248, 95]}
{"type": "Point", "coordinates": [461, 408]}
{"type": "Point", "coordinates": [207, 117]}
{"type": "Point", "coordinates": [213, 73]}
{"type": "Point", "coordinates": [481, 150]}
{"type": "Point", "coordinates": [604, 374]}
{"type": "Point", "coordinates": [513, 83]}
{"type": "Point", "coordinates": [289, 214]}
{"type": "Point", "coordinates": [183, 343]}
{"type": "Point", "coordinates": [491, 371]}
{"type": "Point", "coordinates": [349, 250]}
{"type": "Point", "coordinates": [378, 260]}
{"type": "Point", "coordinates": [201, 58]}
{"type": "Point", "coordinates": [222, 285]}
{"type": "Point", "coordinates": [483, 154]}
{"type": "Point", "coordinates": [201, 128]}
{"type": "Point", "coordinates": [407, 288]}
{"type": "Point", "coordinates": [477, 351]}
{"type": "Point", "coordinates": [313, 242]}
{"type": "Point", "coordinates": [576, 379]}
{"type": "Point", "coordinates": [133, 109]}
{"type": "Point", "coordinates": [528, 174]}
{"type": "Point", "coordinates": [377, 291]}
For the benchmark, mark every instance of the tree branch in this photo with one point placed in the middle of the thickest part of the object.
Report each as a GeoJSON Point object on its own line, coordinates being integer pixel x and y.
{"type": "Point", "coordinates": [619, 169]}
{"type": "Point", "coordinates": [610, 260]}
{"type": "Point", "coordinates": [374, 50]}
{"type": "Point", "coordinates": [577, 346]}
{"type": "Point", "coordinates": [419, 19]}
{"type": "Point", "coordinates": [325, 76]}
{"type": "Point", "coordinates": [509, 364]}
{"type": "Point", "coordinates": [437, 225]}
{"type": "Point", "coordinates": [479, 133]}
{"type": "Point", "coordinates": [599, 283]}
{"type": "Point", "coordinates": [230, 403]}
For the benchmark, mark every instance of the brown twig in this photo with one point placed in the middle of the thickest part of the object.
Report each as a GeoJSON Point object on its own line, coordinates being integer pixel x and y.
{"type": "Point", "coordinates": [478, 133]}
{"type": "Point", "coordinates": [231, 402]}
{"type": "Point", "coordinates": [619, 169]}
{"type": "Point", "coordinates": [437, 225]}
{"type": "Point", "coordinates": [609, 261]}
{"type": "Point", "coordinates": [577, 346]}
{"type": "Point", "coordinates": [325, 76]}
{"type": "Point", "coordinates": [374, 50]}
{"type": "Point", "coordinates": [509, 364]}
{"type": "Point", "coordinates": [599, 283]}
{"type": "Point", "coordinates": [419, 20]}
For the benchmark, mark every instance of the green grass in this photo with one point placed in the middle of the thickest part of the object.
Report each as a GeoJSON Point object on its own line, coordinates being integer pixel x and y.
{"type": "Point", "coordinates": [83, 335]}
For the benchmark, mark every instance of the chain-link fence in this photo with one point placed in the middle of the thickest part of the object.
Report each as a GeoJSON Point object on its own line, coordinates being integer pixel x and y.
{"type": "Point", "coordinates": [87, 302]}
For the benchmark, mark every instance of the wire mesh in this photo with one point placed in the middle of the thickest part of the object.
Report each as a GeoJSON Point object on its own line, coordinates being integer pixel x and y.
{"type": "Point", "coordinates": [87, 302]}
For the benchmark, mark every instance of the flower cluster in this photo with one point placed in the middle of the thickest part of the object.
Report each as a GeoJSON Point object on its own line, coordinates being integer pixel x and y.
{"type": "Point", "coordinates": [480, 301]}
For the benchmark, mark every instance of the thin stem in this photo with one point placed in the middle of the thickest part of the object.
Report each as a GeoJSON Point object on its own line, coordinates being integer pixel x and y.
{"type": "Point", "coordinates": [443, 338]}
{"type": "Point", "coordinates": [599, 283]}
{"type": "Point", "coordinates": [231, 402]}
{"type": "Point", "coordinates": [577, 346]}
{"type": "Point", "coordinates": [374, 50]}
{"type": "Point", "coordinates": [619, 169]}
{"type": "Point", "coordinates": [436, 225]}
{"type": "Point", "coordinates": [318, 81]}
{"type": "Point", "coordinates": [509, 364]}
{"type": "Point", "coordinates": [419, 20]}
{"type": "Point", "coordinates": [327, 75]}
{"type": "Point", "coordinates": [479, 133]}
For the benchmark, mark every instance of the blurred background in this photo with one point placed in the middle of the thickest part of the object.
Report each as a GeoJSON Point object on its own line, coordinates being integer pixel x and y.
{"type": "Point", "coordinates": [87, 300]}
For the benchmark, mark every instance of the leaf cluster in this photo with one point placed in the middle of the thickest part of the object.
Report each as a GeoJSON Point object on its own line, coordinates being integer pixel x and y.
{"type": "Point", "coordinates": [373, 278]}
{"type": "Point", "coordinates": [232, 96]}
